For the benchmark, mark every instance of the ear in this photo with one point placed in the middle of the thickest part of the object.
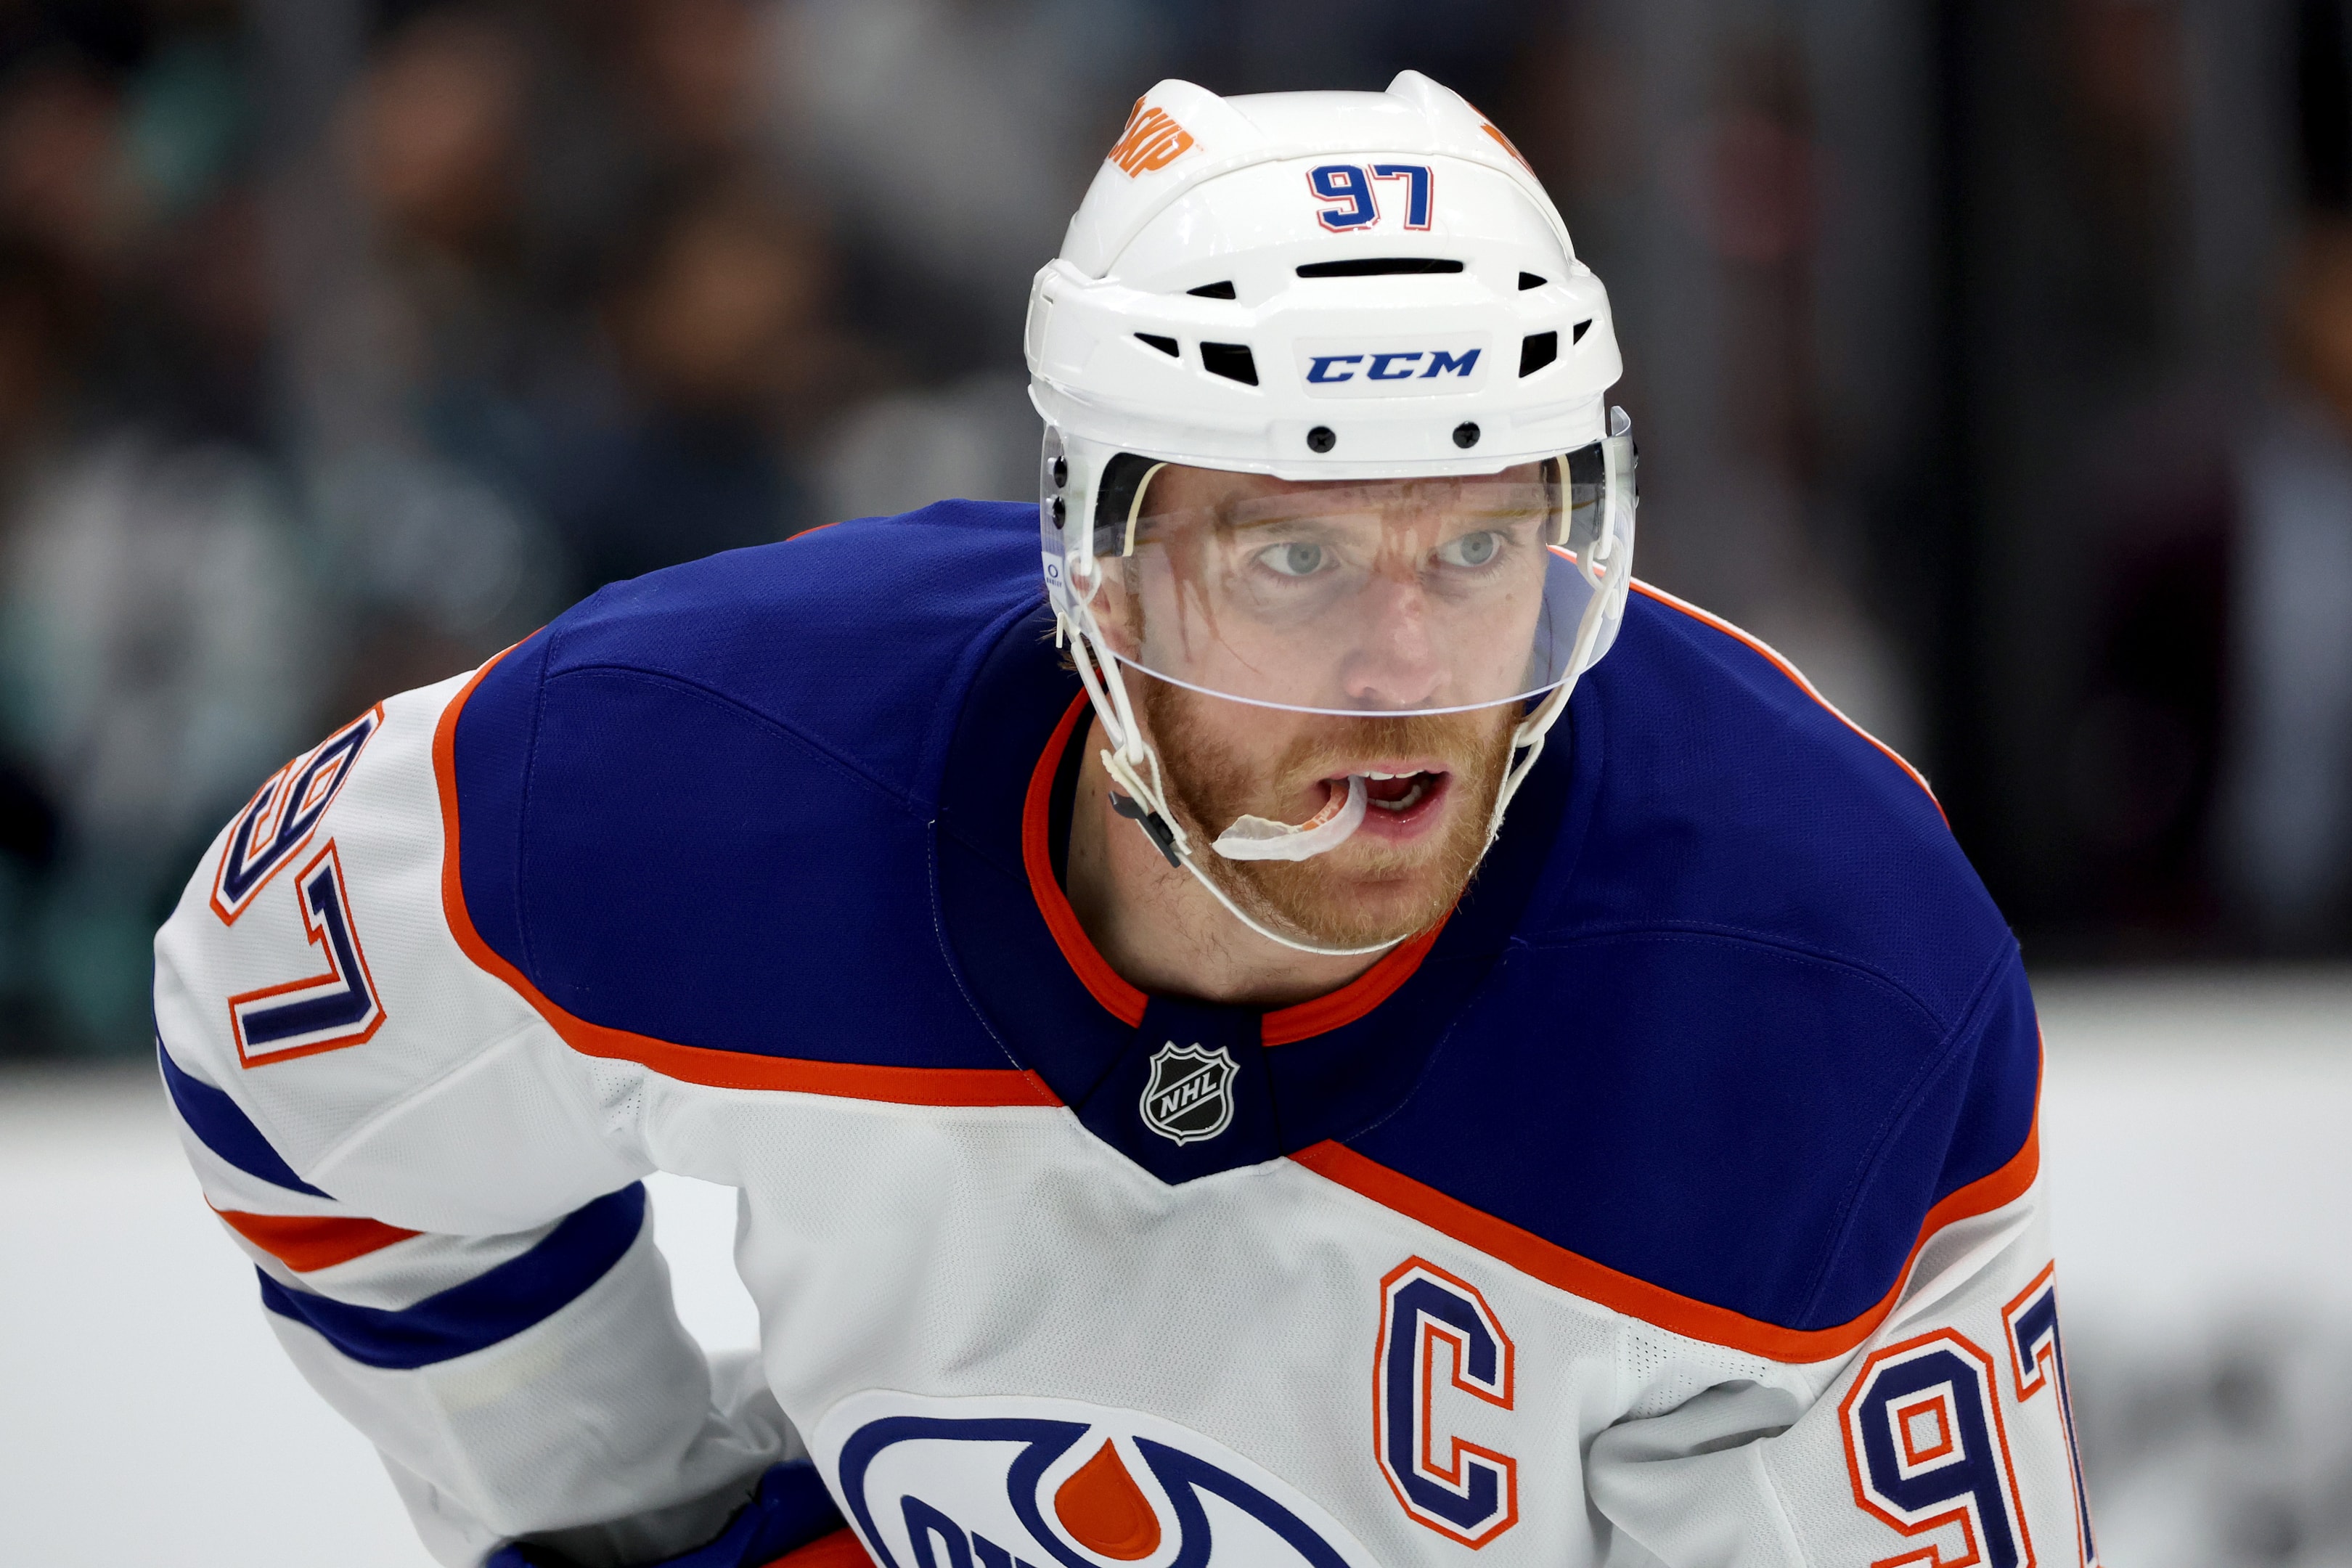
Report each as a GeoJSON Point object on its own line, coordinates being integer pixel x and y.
{"type": "Point", "coordinates": [1117, 604]}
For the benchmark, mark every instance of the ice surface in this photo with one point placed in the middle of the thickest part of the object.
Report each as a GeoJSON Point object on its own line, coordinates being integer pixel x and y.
{"type": "Point", "coordinates": [146, 1412]}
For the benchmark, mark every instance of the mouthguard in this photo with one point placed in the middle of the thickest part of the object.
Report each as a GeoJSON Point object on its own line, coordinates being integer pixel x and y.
{"type": "Point", "coordinates": [1258, 838]}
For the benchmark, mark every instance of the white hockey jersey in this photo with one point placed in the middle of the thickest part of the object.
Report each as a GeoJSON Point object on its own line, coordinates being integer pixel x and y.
{"type": "Point", "coordinates": [1676, 1201]}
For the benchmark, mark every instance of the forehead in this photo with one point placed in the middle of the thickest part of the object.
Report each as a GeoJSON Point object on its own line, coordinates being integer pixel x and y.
{"type": "Point", "coordinates": [1177, 486]}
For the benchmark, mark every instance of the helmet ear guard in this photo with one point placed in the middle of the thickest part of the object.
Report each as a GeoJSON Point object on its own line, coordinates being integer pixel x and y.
{"type": "Point", "coordinates": [1605, 556]}
{"type": "Point", "coordinates": [1070, 483]}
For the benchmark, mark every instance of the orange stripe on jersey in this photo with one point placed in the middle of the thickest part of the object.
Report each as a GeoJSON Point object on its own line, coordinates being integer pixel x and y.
{"type": "Point", "coordinates": [1597, 1282]}
{"type": "Point", "coordinates": [308, 1242]}
{"type": "Point", "coordinates": [1283, 1026]}
{"type": "Point", "coordinates": [1790, 670]}
{"type": "Point", "coordinates": [698, 1064]}
{"type": "Point", "coordinates": [1120, 999]}
{"type": "Point", "coordinates": [1355, 999]}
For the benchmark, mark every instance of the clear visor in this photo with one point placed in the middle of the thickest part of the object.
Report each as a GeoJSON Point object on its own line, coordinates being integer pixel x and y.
{"type": "Point", "coordinates": [1394, 596]}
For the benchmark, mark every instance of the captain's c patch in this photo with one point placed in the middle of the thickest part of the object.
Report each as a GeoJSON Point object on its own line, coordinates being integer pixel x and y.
{"type": "Point", "coordinates": [1463, 1490]}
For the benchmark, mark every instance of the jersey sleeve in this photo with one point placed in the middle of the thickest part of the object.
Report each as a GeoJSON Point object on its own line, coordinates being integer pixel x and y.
{"type": "Point", "coordinates": [1943, 1438]}
{"type": "Point", "coordinates": [441, 1199]}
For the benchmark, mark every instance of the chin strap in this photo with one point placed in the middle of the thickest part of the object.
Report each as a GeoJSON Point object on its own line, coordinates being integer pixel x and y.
{"type": "Point", "coordinates": [1608, 566]}
{"type": "Point", "coordinates": [1527, 738]}
{"type": "Point", "coordinates": [1134, 767]}
{"type": "Point", "coordinates": [1275, 937]}
{"type": "Point", "coordinates": [1128, 756]}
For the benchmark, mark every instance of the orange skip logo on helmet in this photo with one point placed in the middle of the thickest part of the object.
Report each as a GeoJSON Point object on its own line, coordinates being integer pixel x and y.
{"type": "Point", "coordinates": [1150, 141]}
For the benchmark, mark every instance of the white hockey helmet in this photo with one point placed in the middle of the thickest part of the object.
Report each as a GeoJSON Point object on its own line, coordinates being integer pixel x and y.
{"type": "Point", "coordinates": [1328, 286]}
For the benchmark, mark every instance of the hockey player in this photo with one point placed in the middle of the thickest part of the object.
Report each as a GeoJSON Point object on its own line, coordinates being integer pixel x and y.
{"type": "Point", "coordinates": [1157, 1149]}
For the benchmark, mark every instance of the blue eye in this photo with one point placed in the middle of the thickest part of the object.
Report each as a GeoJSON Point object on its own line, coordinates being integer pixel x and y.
{"type": "Point", "coordinates": [1472, 549]}
{"type": "Point", "coordinates": [1294, 560]}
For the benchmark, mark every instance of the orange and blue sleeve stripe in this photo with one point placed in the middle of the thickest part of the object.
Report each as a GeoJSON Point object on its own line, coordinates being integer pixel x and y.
{"type": "Point", "coordinates": [495, 1305]}
{"type": "Point", "coordinates": [220, 1126]}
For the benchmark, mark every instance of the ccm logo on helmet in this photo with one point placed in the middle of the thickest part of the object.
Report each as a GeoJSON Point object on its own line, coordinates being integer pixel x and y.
{"type": "Point", "coordinates": [1326, 370]}
{"type": "Point", "coordinates": [1389, 369]}
{"type": "Point", "coordinates": [1018, 1482]}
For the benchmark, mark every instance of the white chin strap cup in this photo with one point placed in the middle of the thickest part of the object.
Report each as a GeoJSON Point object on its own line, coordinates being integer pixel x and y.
{"type": "Point", "coordinates": [1257, 838]}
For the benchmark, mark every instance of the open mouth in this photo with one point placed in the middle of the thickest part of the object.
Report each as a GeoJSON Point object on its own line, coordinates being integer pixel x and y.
{"type": "Point", "coordinates": [1399, 793]}
{"type": "Point", "coordinates": [1396, 803]}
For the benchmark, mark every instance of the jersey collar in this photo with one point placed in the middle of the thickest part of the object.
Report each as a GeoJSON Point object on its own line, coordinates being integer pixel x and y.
{"type": "Point", "coordinates": [1282, 1026]}
{"type": "Point", "coordinates": [1326, 1068]}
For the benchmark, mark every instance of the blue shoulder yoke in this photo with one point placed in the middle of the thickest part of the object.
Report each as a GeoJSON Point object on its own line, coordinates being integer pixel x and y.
{"type": "Point", "coordinates": [1754, 1019]}
{"type": "Point", "coordinates": [680, 800]}
{"type": "Point", "coordinates": [1762, 1016]}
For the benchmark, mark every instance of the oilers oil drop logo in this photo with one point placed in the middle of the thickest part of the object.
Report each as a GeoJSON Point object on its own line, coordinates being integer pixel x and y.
{"type": "Point", "coordinates": [1015, 1482]}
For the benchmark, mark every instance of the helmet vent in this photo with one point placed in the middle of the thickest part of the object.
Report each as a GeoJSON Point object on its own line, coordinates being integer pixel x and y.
{"type": "Point", "coordinates": [1529, 281]}
{"type": "Point", "coordinates": [1537, 350]}
{"type": "Point", "coordinates": [1379, 266]}
{"type": "Point", "coordinates": [1581, 328]}
{"type": "Point", "coordinates": [1165, 345]}
{"type": "Point", "coordinates": [1232, 361]}
{"type": "Point", "coordinates": [1214, 290]}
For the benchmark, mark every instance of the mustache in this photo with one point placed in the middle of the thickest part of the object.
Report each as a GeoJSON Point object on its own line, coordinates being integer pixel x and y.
{"type": "Point", "coordinates": [1326, 752]}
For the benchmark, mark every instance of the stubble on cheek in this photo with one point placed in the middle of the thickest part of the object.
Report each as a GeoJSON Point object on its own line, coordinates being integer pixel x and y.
{"type": "Point", "coordinates": [1367, 890]}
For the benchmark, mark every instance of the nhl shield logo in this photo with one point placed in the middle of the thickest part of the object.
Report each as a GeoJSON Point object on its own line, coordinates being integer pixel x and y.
{"type": "Point", "coordinates": [1190, 1099]}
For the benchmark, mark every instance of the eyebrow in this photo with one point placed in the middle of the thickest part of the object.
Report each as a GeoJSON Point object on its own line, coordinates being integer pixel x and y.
{"type": "Point", "coordinates": [1232, 524]}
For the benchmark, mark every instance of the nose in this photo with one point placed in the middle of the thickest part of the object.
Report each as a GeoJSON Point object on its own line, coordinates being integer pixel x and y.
{"type": "Point", "coordinates": [1396, 663]}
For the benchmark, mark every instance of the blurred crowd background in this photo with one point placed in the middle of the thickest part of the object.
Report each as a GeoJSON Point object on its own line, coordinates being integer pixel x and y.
{"type": "Point", "coordinates": [1991, 358]}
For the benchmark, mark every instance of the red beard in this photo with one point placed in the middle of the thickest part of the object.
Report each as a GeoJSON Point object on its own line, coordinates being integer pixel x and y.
{"type": "Point", "coordinates": [1366, 891]}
